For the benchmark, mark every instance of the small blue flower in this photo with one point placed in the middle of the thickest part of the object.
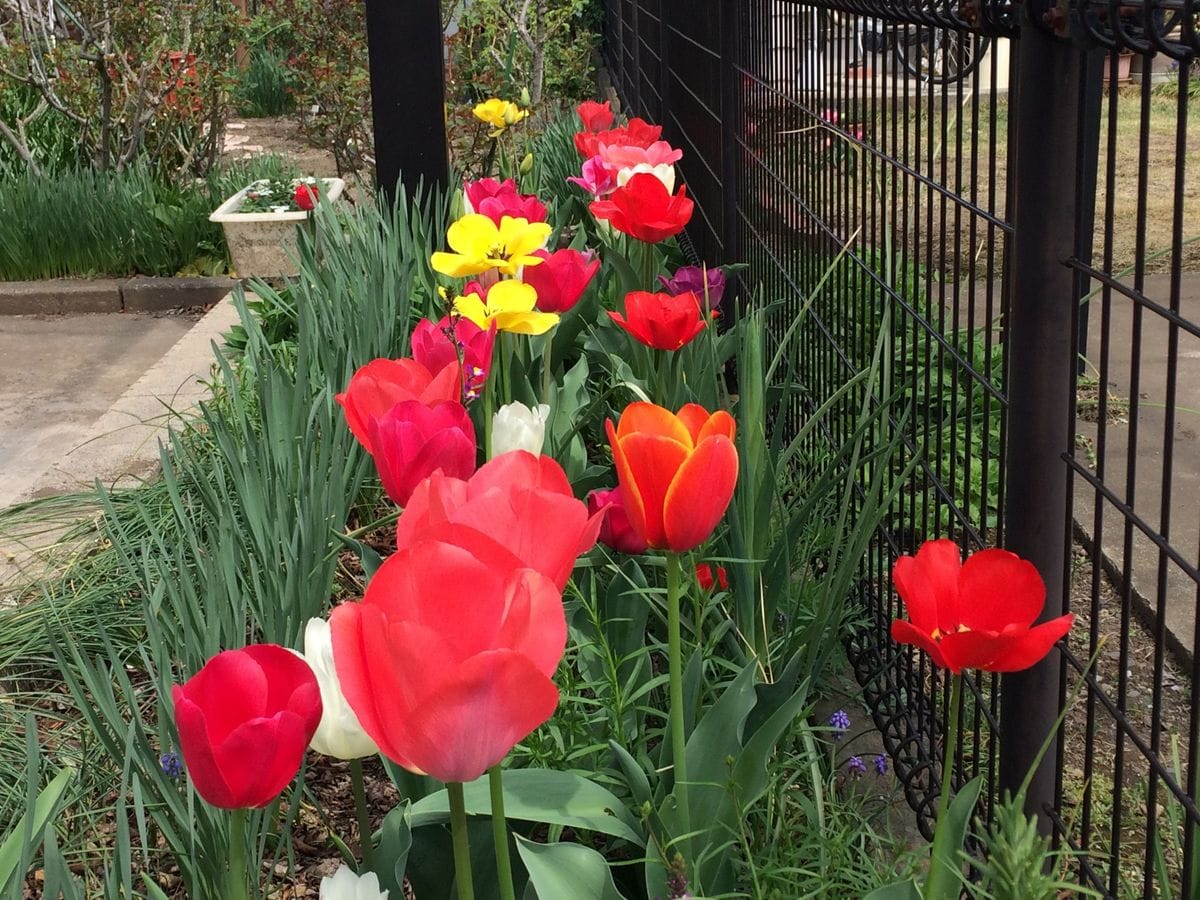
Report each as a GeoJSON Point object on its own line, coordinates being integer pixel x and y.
{"type": "Point", "coordinates": [856, 768]}
{"type": "Point", "coordinates": [172, 765]}
{"type": "Point", "coordinates": [840, 723]}
{"type": "Point", "coordinates": [881, 764]}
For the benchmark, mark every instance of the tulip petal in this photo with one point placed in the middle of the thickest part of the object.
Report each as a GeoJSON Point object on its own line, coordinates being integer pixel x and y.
{"type": "Point", "coordinates": [694, 417]}
{"type": "Point", "coordinates": [290, 682]}
{"type": "Point", "coordinates": [492, 702]}
{"type": "Point", "coordinates": [649, 418]}
{"type": "Point", "coordinates": [521, 467]}
{"type": "Point", "coordinates": [970, 649]}
{"type": "Point", "coordinates": [224, 710]}
{"type": "Point", "coordinates": [1029, 647]}
{"type": "Point", "coordinates": [903, 632]}
{"type": "Point", "coordinates": [699, 493]}
{"type": "Point", "coordinates": [535, 624]}
{"type": "Point", "coordinates": [197, 750]}
{"type": "Point", "coordinates": [997, 589]}
{"type": "Point", "coordinates": [261, 756]}
{"type": "Point", "coordinates": [928, 585]}
{"type": "Point", "coordinates": [430, 504]}
{"type": "Point", "coordinates": [719, 422]}
{"type": "Point", "coordinates": [646, 467]}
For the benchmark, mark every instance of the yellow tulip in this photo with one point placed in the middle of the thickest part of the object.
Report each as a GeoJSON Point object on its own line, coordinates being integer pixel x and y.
{"type": "Point", "coordinates": [480, 245]}
{"type": "Point", "coordinates": [510, 304]}
{"type": "Point", "coordinates": [499, 114]}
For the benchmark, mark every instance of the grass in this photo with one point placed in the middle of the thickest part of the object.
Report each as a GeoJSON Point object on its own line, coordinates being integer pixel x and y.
{"type": "Point", "coordinates": [79, 222]}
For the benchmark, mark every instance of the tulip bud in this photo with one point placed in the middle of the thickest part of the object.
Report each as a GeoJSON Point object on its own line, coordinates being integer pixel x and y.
{"type": "Point", "coordinates": [527, 164]}
{"type": "Point", "coordinates": [517, 427]}
{"type": "Point", "coordinates": [345, 885]}
{"type": "Point", "coordinates": [525, 101]}
{"type": "Point", "coordinates": [339, 734]}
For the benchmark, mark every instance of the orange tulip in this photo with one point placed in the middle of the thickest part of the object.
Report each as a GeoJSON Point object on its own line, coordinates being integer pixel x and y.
{"type": "Point", "coordinates": [677, 471]}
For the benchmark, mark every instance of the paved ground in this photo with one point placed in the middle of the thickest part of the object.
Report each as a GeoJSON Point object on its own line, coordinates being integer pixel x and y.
{"type": "Point", "coordinates": [86, 397]}
{"type": "Point", "coordinates": [59, 374]}
{"type": "Point", "coordinates": [1139, 461]}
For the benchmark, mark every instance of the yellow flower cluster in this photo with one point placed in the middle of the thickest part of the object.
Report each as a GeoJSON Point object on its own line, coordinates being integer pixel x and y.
{"type": "Point", "coordinates": [499, 114]}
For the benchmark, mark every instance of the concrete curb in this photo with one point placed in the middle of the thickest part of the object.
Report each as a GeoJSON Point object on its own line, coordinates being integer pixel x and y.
{"type": "Point", "coordinates": [60, 296]}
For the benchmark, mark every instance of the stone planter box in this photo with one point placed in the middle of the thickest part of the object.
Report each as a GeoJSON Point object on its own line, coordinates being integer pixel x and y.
{"type": "Point", "coordinates": [263, 244]}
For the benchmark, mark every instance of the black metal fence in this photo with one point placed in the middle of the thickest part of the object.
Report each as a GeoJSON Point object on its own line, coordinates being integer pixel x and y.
{"type": "Point", "coordinates": [1010, 193]}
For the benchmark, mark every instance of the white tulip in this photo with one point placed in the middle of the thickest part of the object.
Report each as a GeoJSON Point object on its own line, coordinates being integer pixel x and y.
{"type": "Point", "coordinates": [339, 735]}
{"type": "Point", "coordinates": [517, 427]}
{"type": "Point", "coordinates": [664, 172]}
{"type": "Point", "coordinates": [345, 885]}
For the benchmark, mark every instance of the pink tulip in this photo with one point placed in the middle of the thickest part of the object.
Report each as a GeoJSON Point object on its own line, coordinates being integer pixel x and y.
{"type": "Point", "coordinates": [615, 530]}
{"type": "Point", "coordinates": [521, 503]}
{"type": "Point", "coordinates": [382, 383]}
{"type": "Point", "coordinates": [412, 440]}
{"type": "Point", "coordinates": [443, 344]}
{"type": "Point", "coordinates": [598, 179]}
{"type": "Point", "coordinates": [659, 153]}
{"type": "Point", "coordinates": [448, 658]}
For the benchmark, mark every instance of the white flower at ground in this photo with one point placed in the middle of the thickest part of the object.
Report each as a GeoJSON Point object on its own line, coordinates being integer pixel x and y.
{"type": "Point", "coordinates": [517, 427]}
{"type": "Point", "coordinates": [345, 885]}
{"type": "Point", "coordinates": [339, 735]}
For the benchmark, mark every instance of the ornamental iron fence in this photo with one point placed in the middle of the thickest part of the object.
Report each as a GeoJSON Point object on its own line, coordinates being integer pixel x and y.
{"type": "Point", "coordinates": [1008, 192]}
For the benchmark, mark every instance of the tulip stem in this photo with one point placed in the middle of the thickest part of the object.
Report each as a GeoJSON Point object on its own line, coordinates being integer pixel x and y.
{"type": "Point", "coordinates": [364, 818]}
{"type": "Point", "coordinates": [462, 849]}
{"type": "Point", "coordinates": [237, 885]}
{"type": "Point", "coordinates": [944, 875]}
{"type": "Point", "coordinates": [675, 666]}
{"type": "Point", "coordinates": [500, 834]}
{"type": "Point", "coordinates": [489, 404]}
{"type": "Point", "coordinates": [547, 360]}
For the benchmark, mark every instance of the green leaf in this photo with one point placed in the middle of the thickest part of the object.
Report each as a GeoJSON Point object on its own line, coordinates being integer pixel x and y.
{"type": "Point", "coordinates": [540, 795]}
{"type": "Point", "coordinates": [567, 870]}
{"type": "Point", "coordinates": [901, 890]}
{"type": "Point", "coordinates": [945, 876]}
{"type": "Point", "coordinates": [43, 810]}
{"type": "Point", "coordinates": [395, 842]}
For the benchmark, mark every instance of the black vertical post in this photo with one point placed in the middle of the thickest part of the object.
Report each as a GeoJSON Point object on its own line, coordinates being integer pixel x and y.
{"type": "Point", "coordinates": [408, 93]}
{"type": "Point", "coordinates": [1045, 212]}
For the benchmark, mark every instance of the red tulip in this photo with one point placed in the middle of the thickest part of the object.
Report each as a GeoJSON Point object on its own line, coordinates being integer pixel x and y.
{"type": "Point", "coordinates": [561, 279]}
{"type": "Point", "coordinates": [974, 615]}
{"type": "Point", "coordinates": [382, 383]}
{"type": "Point", "coordinates": [447, 660]}
{"type": "Point", "coordinates": [643, 209]}
{"type": "Point", "coordinates": [704, 577]}
{"type": "Point", "coordinates": [305, 196]}
{"type": "Point", "coordinates": [660, 320]}
{"type": "Point", "coordinates": [595, 116]}
{"type": "Point", "coordinates": [443, 344]}
{"type": "Point", "coordinates": [244, 722]}
{"type": "Point", "coordinates": [411, 441]}
{"type": "Point", "coordinates": [615, 530]}
{"type": "Point", "coordinates": [636, 133]}
{"type": "Point", "coordinates": [521, 502]}
{"type": "Point", "coordinates": [677, 471]}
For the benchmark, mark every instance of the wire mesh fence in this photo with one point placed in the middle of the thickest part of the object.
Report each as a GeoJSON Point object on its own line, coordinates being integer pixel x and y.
{"type": "Point", "coordinates": [1008, 194]}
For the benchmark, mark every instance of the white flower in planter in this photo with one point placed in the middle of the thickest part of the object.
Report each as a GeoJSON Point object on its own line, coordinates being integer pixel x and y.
{"type": "Point", "coordinates": [339, 735]}
{"type": "Point", "coordinates": [345, 885]}
{"type": "Point", "coordinates": [517, 427]}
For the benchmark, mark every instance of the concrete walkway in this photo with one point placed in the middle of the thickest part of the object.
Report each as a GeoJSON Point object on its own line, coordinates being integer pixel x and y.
{"type": "Point", "coordinates": [1140, 462]}
{"type": "Point", "coordinates": [87, 397]}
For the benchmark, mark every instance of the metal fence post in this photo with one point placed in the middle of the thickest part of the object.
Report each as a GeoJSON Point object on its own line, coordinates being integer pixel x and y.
{"type": "Point", "coordinates": [1044, 116]}
{"type": "Point", "coordinates": [408, 93]}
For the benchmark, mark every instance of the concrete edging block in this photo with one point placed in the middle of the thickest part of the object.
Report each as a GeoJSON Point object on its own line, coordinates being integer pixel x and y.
{"type": "Point", "coordinates": [143, 294]}
{"type": "Point", "coordinates": [58, 296]}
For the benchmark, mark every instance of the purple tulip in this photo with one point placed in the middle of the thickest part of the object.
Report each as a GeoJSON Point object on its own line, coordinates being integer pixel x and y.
{"type": "Point", "coordinates": [692, 278]}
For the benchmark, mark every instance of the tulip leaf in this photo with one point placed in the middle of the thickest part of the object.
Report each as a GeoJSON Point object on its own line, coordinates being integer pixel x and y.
{"type": "Point", "coordinates": [566, 870]}
{"type": "Point", "coordinates": [540, 795]}
{"type": "Point", "coordinates": [367, 557]}
{"type": "Point", "coordinates": [395, 842]}
{"type": "Point", "coordinates": [945, 872]}
{"type": "Point", "coordinates": [32, 824]}
{"type": "Point", "coordinates": [901, 890]}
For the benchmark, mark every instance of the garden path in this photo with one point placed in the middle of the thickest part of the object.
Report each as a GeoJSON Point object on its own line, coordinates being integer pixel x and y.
{"type": "Point", "coordinates": [87, 397]}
